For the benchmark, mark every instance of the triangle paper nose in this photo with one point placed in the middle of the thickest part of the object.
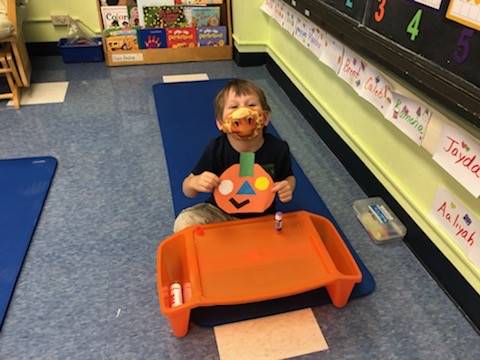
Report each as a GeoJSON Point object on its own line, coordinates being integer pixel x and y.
{"type": "Point", "coordinates": [246, 189]}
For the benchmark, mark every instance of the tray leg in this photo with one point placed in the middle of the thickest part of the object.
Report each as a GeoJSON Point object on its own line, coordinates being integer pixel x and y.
{"type": "Point", "coordinates": [179, 322]}
{"type": "Point", "coordinates": [339, 292]}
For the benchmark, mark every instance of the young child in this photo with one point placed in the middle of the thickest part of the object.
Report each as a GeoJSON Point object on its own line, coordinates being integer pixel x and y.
{"type": "Point", "coordinates": [271, 153]}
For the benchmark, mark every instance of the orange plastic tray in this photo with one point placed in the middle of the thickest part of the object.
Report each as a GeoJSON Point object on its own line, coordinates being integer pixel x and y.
{"type": "Point", "coordinates": [246, 261]}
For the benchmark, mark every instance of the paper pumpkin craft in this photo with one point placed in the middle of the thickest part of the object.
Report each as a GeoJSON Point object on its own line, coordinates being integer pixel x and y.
{"type": "Point", "coordinates": [244, 187]}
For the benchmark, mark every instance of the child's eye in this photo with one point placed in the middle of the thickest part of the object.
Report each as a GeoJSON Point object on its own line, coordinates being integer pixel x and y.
{"type": "Point", "coordinates": [252, 105]}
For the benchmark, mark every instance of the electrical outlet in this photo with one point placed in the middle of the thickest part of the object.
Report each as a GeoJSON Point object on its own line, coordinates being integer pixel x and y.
{"type": "Point", "coordinates": [60, 19]}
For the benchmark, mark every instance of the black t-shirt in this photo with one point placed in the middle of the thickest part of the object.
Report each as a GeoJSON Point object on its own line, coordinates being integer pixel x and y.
{"type": "Point", "coordinates": [273, 156]}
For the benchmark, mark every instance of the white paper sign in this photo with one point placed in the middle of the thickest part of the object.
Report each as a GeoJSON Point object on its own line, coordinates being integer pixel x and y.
{"type": "Point", "coordinates": [289, 23]}
{"type": "Point", "coordinates": [376, 89]}
{"type": "Point", "coordinates": [267, 7]}
{"type": "Point", "coordinates": [353, 66]}
{"type": "Point", "coordinates": [459, 154]}
{"type": "Point", "coordinates": [432, 3]}
{"type": "Point", "coordinates": [332, 54]}
{"type": "Point", "coordinates": [279, 13]}
{"type": "Point", "coordinates": [300, 31]}
{"type": "Point", "coordinates": [462, 225]}
{"type": "Point", "coordinates": [409, 116]}
{"type": "Point", "coordinates": [315, 40]}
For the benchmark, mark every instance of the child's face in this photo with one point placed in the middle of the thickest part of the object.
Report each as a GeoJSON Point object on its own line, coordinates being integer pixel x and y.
{"type": "Point", "coordinates": [249, 101]}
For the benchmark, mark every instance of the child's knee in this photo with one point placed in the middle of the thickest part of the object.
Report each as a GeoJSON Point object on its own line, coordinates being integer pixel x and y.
{"type": "Point", "coordinates": [184, 220]}
{"type": "Point", "coordinates": [199, 214]}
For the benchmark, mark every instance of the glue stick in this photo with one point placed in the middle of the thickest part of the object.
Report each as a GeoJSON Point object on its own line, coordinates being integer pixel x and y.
{"type": "Point", "coordinates": [176, 296]}
{"type": "Point", "coordinates": [278, 220]}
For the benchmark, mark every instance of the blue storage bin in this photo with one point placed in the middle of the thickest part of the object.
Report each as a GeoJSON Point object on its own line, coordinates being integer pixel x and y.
{"type": "Point", "coordinates": [81, 53]}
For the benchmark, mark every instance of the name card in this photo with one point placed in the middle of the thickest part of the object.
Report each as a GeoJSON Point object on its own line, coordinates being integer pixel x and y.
{"type": "Point", "coordinates": [268, 7]}
{"type": "Point", "coordinates": [459, 154]}
{"type": "Point", "coordinates": [332, 53]}
{"type": "Point", "coordinates": [460, 223]}
{"type": "Point", "coordinates": [315, 40]}
{"type": "Point", "coordinates": [352, 69]}
{"type": "Point", "coordinates": [376, 89]}
{"type": "Point", "coordinates": [409, 116]}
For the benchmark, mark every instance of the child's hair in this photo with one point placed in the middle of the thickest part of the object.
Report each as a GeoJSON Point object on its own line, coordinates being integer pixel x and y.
{"type": "Point", "coordinates": [240, 87]}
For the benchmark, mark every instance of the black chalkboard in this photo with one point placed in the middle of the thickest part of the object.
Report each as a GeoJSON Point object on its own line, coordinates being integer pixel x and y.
{"type": "Point", "coordinates": [428, 33]}
{"type": "Point", "coordinates": [437, 55]}
{"type": "Point", "coordinates": [353, 8]}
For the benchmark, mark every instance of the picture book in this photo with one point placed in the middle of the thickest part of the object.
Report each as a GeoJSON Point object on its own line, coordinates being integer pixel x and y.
{"type": "Point", "coordinates": [198, 2]}
{"type": "Point", "coordinates": [197, 16]}
{"type": "Point", "coordinates": [141, 4]}
{"type": "Point", "coordinates": [152, 38]}
{"type": "Point", "coordinates": [122, 42]}
{"type": "Point", "coordinates": [181, 37]}
{"type": "Point", "coordinates": [164, 16]}
{"type": "Point", "coordinates": [133, 16]}
{"type": "Point", "coordinates": [212, 36]}
{"type": "Point", "coordinates": [114, 16]}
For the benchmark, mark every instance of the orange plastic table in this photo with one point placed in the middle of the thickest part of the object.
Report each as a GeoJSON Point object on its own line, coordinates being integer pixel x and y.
{"type": "Point", "coordinates": [247, 261]}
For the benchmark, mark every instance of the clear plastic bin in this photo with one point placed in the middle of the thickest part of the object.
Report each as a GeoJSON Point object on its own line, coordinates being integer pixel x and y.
{"type": "Point", "coordinates": [380, 222]}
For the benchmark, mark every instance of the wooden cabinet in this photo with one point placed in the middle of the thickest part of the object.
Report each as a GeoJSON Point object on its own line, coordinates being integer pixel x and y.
{"type": "Point", "coordinates": [171, 55]}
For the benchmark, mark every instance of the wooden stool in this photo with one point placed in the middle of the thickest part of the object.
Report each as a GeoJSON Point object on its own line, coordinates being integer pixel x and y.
{"type": "Point", "coordinates": [8, 68]}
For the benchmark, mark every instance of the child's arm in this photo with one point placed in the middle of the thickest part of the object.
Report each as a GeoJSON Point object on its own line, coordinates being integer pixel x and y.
{"type": "Point", "coordinates": [285, 188]}
{"type": "Point", "coordinates": [205, 182]}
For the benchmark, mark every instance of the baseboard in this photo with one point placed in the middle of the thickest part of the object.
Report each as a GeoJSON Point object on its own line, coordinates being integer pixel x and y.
{"type": "Point", "coordinates": [249, 59]}
{"type": "Point", "coordinates": [43, 49]}
{"type": "Point", "coordinates": [439, 267]}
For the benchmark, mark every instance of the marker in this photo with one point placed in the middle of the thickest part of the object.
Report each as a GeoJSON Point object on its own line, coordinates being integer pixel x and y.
{"type": "Point", "coordinates": [176, 297]}
{"type": "Point", "coordinates": [278, 220]}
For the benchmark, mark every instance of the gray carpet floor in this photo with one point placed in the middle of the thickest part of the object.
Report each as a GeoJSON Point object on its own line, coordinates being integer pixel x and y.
{"type": "Point", "coordinates": [87, 289]}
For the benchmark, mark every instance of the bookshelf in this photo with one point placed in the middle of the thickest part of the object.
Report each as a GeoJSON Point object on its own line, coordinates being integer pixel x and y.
{"type": "Point", "coordinates": [172, 55]}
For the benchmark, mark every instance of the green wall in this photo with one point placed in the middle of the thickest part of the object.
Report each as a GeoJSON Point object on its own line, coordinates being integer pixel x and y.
{"type": "Point", "coordinates": [405, 169]}
{"type": "Point", "coordinates": [38, 27]}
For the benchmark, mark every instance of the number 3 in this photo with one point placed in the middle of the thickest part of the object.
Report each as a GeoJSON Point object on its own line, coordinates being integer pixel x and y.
{"type": "Point", "coordinates": [380, 11]}
{"type": "Point", "coordinates": [463, 47]}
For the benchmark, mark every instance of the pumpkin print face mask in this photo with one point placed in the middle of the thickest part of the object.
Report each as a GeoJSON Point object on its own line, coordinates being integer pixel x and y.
{"type": "Point", "coordinates": [245, 122]}
{"type": "Point", "coordinates": [244, 187]}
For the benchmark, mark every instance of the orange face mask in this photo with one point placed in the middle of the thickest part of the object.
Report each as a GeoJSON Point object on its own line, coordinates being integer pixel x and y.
{"type": "Point", "coordinates": [244, 122]}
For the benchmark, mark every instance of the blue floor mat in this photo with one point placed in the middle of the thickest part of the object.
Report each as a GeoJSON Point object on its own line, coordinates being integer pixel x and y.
{"type": "Point", "coordinates": [24, 185]}
{"type": "Point", "coordinates": [187, 122]}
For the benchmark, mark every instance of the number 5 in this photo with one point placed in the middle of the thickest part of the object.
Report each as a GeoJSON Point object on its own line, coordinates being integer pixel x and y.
{"type": "Point", "coordinates": [463, 46]}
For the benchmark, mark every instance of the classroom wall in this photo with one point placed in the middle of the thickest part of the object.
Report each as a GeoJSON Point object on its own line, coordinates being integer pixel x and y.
{"type": "Point", "coordinates": [405, 169]}
{"type": "Point", "coordinates": [38, 26]}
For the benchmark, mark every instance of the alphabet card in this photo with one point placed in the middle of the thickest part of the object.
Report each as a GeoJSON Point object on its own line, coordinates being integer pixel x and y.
{"type": "Point", "coordinates": [459, 154]}
{"type": "Point", "coordinates": [375, 89]}
{"type": "Point", "coordinates": [461, 224]}
{"type": "Point", "coordinates": [409, 116]}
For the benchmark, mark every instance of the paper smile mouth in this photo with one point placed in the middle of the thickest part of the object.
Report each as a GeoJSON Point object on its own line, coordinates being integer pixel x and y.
{"type": "Point", "coordinates": [239, 205]}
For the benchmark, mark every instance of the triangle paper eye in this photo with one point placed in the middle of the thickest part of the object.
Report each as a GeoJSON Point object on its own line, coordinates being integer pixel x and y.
{"type": "Point", "coordinates": [244, 187]}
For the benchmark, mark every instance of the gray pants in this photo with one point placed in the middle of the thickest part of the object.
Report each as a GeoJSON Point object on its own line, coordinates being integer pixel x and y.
{"type": "Point", "coordinates": [200, 214]}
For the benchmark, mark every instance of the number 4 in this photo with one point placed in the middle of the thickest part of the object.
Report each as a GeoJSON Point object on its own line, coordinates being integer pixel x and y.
{"type": "Point", "coordinates": [413, 25]}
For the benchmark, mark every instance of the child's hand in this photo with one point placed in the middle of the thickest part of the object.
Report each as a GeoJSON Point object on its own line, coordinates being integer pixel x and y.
{"type": "Point", "coordinates": [284, 190]}
{"type": "Point", "coordinates": [205, 182]}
